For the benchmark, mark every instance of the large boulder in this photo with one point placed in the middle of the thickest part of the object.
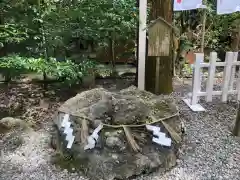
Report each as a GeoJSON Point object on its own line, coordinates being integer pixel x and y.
{"type": "Point", "coordinates": [124, 148]}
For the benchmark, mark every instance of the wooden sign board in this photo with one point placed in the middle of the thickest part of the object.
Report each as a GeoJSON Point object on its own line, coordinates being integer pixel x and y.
{"type": "Point", "coordinates": [159, 39]}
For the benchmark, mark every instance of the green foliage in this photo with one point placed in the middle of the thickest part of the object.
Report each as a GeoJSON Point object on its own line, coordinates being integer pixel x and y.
{"type": "Point", "coordinates": [187, 69]}
{"type": "Point", "coordinates": [12, 28]}
{"type": "Point", "coordinates": [87, 66]}
{"type": "Point", "coordinates": [11, 33]}
{"type": "Point", "coordinates": [45, 27]}
{"type": "Point", "coordinates": [219, 28]}
{"type": "Point", "coordinates": [67, 71]}
{"type": "Point", "coordinates": [93, 19]}
{"type": "Point", "coordinates": [12, 66]}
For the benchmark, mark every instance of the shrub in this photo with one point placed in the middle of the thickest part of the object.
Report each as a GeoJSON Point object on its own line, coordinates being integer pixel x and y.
{"type": "Point", "coordinates": [64, 71]}
{"type": "Point", "coordinates": [12, 66]}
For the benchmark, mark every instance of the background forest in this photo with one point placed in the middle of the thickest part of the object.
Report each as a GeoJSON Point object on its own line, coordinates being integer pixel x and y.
{"type": "Point", "coordinates": [64, 38]}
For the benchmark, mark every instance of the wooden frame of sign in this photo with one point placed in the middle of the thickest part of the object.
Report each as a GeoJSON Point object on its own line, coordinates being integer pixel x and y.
{"type": "Point", "coordinates": [160, 33]}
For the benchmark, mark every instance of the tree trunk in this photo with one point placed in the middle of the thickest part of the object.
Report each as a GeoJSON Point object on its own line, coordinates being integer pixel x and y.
{"type": "Point", "coordinates": [112, 53]}
{"type": "Point", "coordinates": [164, 9]}
{"type": "Point", "coordinates": [235, 47]}
{"type": "Point", "coordinates": [137, 39]}
{"type": "Point", "coordinates": [236, 39]}
{"type": "Point", "coordinates": [46, 59]}
{"type": "Point", "coordinates": [236, 130]}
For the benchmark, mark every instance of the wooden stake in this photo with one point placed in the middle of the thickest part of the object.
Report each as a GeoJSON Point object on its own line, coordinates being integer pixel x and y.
{"type": "Point", "coordinates": [84, 131]}
{"type": "Point", "coordinates": [131, 139]}
{"type": "Point", "coordinates": [236, 130]}
{"type": "Point", "coordinates": [177, 138]}
{"type": "Point", "coordinates": [142, 43]}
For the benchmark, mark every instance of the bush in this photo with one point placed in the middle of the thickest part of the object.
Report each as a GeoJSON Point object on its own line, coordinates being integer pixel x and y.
{"type": "Point", "coordinates": [64, 71]}
{"type": "Point", "coordinates": [67, 71]}
{"type": "Point", "coordinates": [12, 66]}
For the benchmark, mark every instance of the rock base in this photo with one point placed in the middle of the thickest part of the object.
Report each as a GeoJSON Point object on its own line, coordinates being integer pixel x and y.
{"type": "Point", "coordinates": [113, 156]}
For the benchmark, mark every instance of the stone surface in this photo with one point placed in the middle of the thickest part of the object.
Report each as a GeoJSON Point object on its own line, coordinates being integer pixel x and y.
{"type": "Point", "coordinates": [11, 132]}
{"type": "Point", "coordinates": [10, 123]}
{"type": "Point", "coordinates": [113, 157]}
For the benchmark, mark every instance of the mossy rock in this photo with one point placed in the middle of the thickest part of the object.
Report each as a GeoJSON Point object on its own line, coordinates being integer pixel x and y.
{"type": "Point", "coordinates": [10, 123]}
{"type": "Point", "coordinates": [11, 133]}
{"type": "Point", "coordinates": [113, 156]}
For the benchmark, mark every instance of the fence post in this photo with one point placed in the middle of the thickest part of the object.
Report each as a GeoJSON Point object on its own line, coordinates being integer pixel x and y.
{"type": "Point", "coordinates": [211, 75]}
{"type": "Point", "coordinates": [235, 57]}
{"type": "Point", "coordinates": [196, 82]}
{"type": "Point", "coordinates": [227, 75]}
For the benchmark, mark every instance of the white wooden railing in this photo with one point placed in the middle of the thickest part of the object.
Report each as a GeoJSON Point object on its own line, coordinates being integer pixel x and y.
{"type": "Point", "coordinates": [227, 83]}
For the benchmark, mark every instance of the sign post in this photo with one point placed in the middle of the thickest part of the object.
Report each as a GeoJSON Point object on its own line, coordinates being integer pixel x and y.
{"type": "Point", "coordinates": [142, 43]}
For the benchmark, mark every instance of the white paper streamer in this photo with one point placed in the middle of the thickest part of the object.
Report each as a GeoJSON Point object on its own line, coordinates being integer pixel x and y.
{"type": "Point", "coordinates": [65, 120]}
{"type": "Point", "coordinates": [70, 142]}
{"type": "Point", "coordinates": [93, 138]}
{"type": "Point", "coordinates": [66, 124]}
{"type": "Point", "coordinates": [161, 138]}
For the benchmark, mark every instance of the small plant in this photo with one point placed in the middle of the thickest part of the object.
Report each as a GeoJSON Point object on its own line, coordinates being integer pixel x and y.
{"type": "Point", "coordinates": [187, 69]}
{"type": "Point", "coordinates": [12, 66]}
{"type": "Point", "coordinates": [65, 71]}
{"type": "Point", "coordinates": [88, 66]}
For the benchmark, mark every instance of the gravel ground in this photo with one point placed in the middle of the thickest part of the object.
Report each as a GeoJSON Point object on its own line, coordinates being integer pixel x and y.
{"type": "Point", "coordinates": [209, 152]}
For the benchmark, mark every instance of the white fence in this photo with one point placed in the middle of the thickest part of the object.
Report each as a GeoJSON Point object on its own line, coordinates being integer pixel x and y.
{"type": "Point", "coordinates": [229, 77]}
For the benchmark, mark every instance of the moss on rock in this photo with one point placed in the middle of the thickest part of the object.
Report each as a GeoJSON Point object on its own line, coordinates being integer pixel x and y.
{"type": "Point", "coordinates": [113, 157]}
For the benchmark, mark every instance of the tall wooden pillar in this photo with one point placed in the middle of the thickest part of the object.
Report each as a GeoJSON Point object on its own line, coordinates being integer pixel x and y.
{"type": "Point", "coordinates": [235, 47]}
{"type": "Point", "coordinates": [164, 9]}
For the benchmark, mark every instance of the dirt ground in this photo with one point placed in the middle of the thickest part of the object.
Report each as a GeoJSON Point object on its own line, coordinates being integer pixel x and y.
{"type": "Point", "coordinates": [31, 100]}
{"type": "Point", "coordinates": [209, 151]}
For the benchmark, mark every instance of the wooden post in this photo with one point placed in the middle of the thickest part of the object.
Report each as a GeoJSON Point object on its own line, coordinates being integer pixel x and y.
{"type": "Point", "coordinates": [227, 75]}
{"type": "Point", "coordinates": [235, 47]}
{"type": "Point", "coordinates": [211, 75]}
{"type": "Point", "coordinates": [196, 87]}
{"type": "Point", "coordinates": [137, 48]}
{"type": "Point", "coordinates": [160, 8]}
{"type": "Point", "coordinates": [236, 130]}
{"type": "Point", "coordinates": [233, 71]}
{"type": "Point", "coordinates": [142, 43]}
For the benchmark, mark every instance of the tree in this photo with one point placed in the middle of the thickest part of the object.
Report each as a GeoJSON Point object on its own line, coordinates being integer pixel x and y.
{"type": "Point", "coordinates": [236, 130]}
{"type": "Point", "coordinates": [235, 47]}
{"type": "Point", "coordinates": [11, 29]}
{"type": "Point", "coordinates": [108, 22]}
{"type": "Point", "coordinates": [218, 35]}
{"type": "Point", "coordinates": [162, 8]}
